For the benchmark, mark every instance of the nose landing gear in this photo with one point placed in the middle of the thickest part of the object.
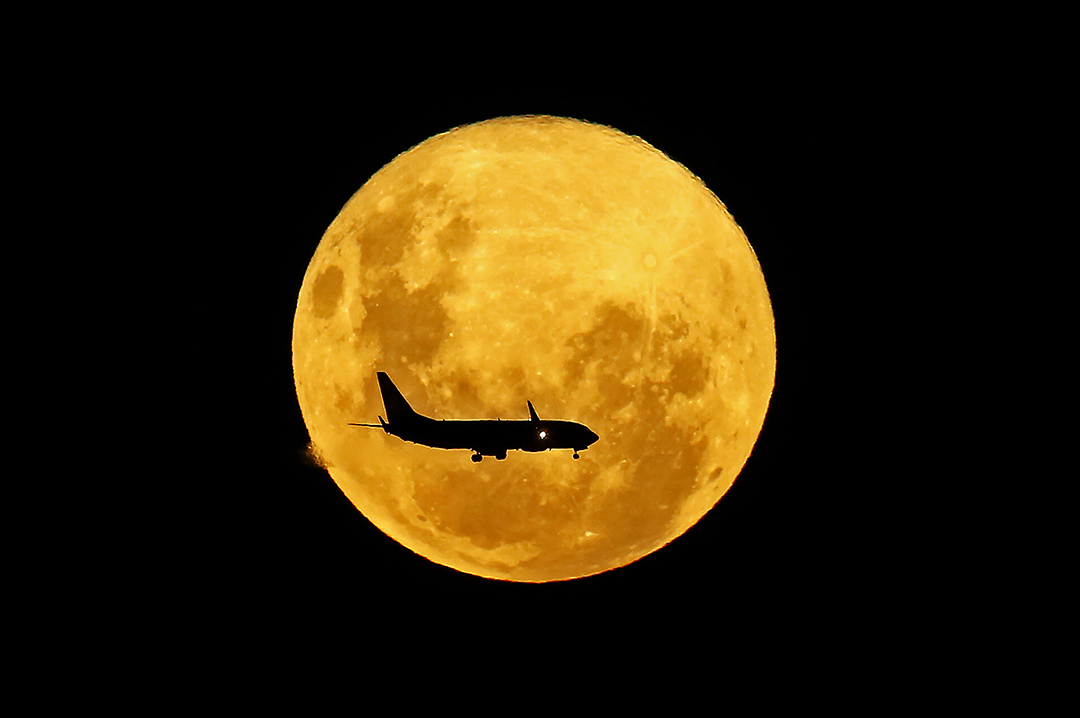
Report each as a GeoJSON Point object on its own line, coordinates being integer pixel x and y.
{"type": "Point", "coordinates": [477, 457]}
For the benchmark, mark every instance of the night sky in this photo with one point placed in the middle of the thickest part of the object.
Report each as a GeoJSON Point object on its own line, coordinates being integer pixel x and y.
{"type": "Point", "coordinates": [795, 543]}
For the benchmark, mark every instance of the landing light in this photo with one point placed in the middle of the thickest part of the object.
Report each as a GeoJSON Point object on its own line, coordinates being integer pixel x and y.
{"type": "Point", "coordinates": [543, 434]}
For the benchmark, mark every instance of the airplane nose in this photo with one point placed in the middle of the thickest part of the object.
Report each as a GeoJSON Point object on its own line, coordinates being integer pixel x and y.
{"type": "Point", "coordinates": [593, 437]}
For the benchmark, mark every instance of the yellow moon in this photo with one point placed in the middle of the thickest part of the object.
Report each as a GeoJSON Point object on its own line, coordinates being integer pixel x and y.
{"type": "Point", "coordinates": [544, 259]}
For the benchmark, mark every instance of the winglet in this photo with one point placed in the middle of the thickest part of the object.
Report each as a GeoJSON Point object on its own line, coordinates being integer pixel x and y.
{"type": "Point", "coordinates": [532, 413]}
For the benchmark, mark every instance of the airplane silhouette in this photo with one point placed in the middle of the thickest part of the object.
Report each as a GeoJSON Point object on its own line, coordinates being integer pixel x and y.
{"type": "Point", "coordinates": [485, 437]}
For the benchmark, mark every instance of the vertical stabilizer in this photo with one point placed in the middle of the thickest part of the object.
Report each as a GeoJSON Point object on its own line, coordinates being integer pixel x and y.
{"type": "Point", "coordinates": [398, 410]}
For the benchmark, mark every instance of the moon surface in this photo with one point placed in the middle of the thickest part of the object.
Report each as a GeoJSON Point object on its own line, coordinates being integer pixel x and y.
{"type": "Point", "coordinates": [544, 259]}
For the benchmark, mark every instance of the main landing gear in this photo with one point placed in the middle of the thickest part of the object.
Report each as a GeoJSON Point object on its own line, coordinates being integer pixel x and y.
{"type": "Point", "coordinates": [478, 457]}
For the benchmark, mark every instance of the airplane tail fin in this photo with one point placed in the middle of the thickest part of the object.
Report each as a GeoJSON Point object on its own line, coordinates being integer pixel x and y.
{"type": "Point", "coordinates": [398, 410]}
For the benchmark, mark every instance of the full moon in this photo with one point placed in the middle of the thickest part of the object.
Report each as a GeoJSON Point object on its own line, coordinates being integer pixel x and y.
{"type": "Point", "coordinates": [548, 260]}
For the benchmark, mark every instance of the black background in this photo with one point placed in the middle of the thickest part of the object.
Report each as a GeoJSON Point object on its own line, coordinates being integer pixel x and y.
{"type": "Point", "coordinates": [800, 545]}
{"type": "Point", "coordinates": [183, 168]}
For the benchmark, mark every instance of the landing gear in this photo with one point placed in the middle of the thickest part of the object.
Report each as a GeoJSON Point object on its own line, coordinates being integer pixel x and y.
{"type": "Point", "coordinates": [576, 454]}
{"type": "Point", "coordinates": [501, 455]}
{"type": "Point", "coordinates": [477, 457]}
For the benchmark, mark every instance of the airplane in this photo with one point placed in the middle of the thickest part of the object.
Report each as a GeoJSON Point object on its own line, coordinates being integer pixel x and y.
{"type": "Point", "coordinates": [485, 437]}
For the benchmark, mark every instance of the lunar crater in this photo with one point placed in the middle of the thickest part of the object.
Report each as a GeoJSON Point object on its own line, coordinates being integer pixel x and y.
{"type": "Point", "coordinates": [326, 292]}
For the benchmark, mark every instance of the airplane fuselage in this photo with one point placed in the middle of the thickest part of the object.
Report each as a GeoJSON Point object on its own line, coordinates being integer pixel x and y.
{"type": "Point", "coordinates": [485, 437]}
{"type": "Point", "coordinates": [490, 437]}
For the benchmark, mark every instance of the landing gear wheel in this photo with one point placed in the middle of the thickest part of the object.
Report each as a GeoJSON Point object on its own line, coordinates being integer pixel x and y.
{"type": "Point", "coordinates": [501, 455]}
{"type": "Point", "coordinates": [477, 458]}
{"type": "Point", "coordinates": [577, 455]}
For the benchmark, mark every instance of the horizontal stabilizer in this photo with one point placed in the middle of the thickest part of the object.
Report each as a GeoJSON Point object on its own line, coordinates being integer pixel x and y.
{"type": "Point", "coordinates": [381, 425]}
